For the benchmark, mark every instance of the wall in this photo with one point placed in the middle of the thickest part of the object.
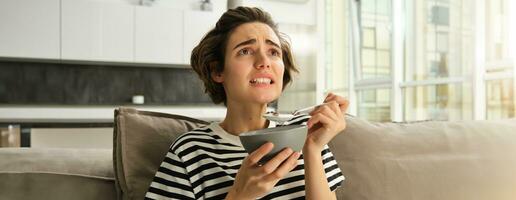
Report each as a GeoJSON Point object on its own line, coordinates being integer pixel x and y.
{"type": "Point", "coordinates": [289, 12]}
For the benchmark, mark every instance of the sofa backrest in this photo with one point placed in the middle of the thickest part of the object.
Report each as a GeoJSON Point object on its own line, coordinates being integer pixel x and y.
{"type": "Point", "coordinates": [56, 173]}
{"type": "Point", "coordinates": [427, 160]}
{"type": "Point", "coordinates": [141, 140]}
{"type": "Point", "coordinates": [388, 161]}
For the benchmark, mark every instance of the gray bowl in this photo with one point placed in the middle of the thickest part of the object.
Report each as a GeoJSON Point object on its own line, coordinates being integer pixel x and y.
{"type": "Point", "coordinates": [292, 136]}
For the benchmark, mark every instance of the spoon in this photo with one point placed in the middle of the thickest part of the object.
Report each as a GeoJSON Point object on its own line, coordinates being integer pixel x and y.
{"type": "Point", "coordinates": [281, 118]}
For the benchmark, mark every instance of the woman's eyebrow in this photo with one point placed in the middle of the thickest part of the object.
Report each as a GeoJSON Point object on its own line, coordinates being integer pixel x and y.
{"type": "Point", "coordinates": [251, 41]}
{"type": "Point", "coordinates": [272, 43]}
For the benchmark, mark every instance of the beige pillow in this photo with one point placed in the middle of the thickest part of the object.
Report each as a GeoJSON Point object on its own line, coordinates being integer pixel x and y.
{"type": "Point", "coordinates": [427, 160]}
{"type": "Point", "coordinates": [141, 140]}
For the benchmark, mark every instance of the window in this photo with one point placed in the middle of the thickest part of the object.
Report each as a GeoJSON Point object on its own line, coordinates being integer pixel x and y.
{"type": "Point", "coordinates": [375, 65]}
{"type": "Point", "coordinates": [437, 101]}
{"type": "Point", "coordinates": [499, 59]}
{"type": "Point", "coordinates": [375, 23]}
{"type": "Point", "coordinates": [434, 84]}
{"type": "Point", "coordinates": [374, 104]}
{"type": "Point", "coordinates": [302, 92]}
{"type": "Point", "coordinates": [500, 99]}
{"type": "Point", "coordinates": [438, 59]}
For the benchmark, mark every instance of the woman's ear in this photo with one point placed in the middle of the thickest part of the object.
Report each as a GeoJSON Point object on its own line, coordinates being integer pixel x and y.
{"type": "Point", "coordinates": [216, 76]}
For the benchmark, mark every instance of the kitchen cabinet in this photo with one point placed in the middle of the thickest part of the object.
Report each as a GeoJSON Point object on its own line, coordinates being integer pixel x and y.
{"type": "Point", "coordinates": [102, 31]}
{"type": "Point", "coordinates": [29, 29]}
{"type": "Point", "coordinates": [158, 35]}
{"type": "Point", "coordinates": [97, 30]}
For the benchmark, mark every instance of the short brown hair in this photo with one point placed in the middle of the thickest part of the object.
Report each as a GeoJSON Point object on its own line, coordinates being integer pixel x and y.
{"type": "Point", "coordinates": [209, 54]}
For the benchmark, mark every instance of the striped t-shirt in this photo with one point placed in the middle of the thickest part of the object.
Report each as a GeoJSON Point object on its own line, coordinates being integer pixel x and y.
{"type": "Point", "coordinates": [203, 163]}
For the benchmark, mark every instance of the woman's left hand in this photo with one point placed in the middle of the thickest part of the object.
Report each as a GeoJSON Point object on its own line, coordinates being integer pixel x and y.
{"type": "Point", "coordinates": [326, 122]}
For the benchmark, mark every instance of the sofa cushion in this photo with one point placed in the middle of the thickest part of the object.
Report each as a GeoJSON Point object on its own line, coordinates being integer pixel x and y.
{"type": "Point", "coordinates": [427, 160]}
{"type": "Point", "coordinates": [141, 140]}
{"type": "Point", "coordinates": [49, 173]}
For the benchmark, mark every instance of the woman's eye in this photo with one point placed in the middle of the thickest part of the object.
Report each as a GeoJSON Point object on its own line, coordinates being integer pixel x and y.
{"type": "Point", "coordinates": [244, 52]}
{"type": "Point", "coordinates": [275, 53]}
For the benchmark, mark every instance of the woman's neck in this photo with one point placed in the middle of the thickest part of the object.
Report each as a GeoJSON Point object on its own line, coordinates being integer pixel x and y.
{"type": "Point", "coordinates": [241, 118]}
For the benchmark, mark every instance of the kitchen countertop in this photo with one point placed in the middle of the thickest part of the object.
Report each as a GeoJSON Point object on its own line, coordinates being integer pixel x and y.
{"type": "Point", "coordinates": [98, 114]}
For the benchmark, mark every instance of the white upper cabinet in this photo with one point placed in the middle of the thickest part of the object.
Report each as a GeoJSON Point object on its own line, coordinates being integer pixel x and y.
{"type": "Point", "coordinates": [97, 30]}
{"type": "Point", "coordinates": [102, 30]}
{"type": "Point", "coordinates": [199, 23]}
{"type": "Point", "coordinates": [158, 35]}
{"type": "Point", "coordinates": [29, 28]}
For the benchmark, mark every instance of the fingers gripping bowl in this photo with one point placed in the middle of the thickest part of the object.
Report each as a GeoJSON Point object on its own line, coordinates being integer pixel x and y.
{"type": "Point", "coordinates": [292, 136]}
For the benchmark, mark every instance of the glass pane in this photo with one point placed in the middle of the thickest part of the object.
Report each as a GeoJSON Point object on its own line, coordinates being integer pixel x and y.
{"type": "Point", "coordinates": [442, 42]}
{"type": "Point", "coordinates": [430, 43]}
{"type": "Point", "coordinates": [384, 63]}
{"type": "Point", "coordinates": [383, 7]}
{"type": "Point", "coordinates": [498, 30]}
{"type": "Point", "coordinates": [438, 102]}
{"type": "Point", "coordinates": [384, 58]}
{"type": "Point", "coordinates": [375, 20]}
{"type": "Point", "coordinates": [368, 6]}
{"type": "Point", "coordinates": [383, 37]}
{"type": "Point", "coordinates": [369, 39]}
{"type": "Point", "coordinates": [374, 105]}
{"type": "Point", "coordinates": [368, 58]}
{"type": "Point", "coordinates": [369, 96]}
{"type": "Point", "coordinates": [439, 14]}
{"type": "Point", "coordinates": [301, 93]}
{"type": "Point", "coordinates": [337, 48]}
{"type": "Point", "coordinates": [291, 101]}
{"type": "Point", "coordinates": [368, 63]}
{"type": "Point", "coordinates": [500, 94]}
{"type": "Point", "coordinates": [437, 66]}
{"type": "Point", "coordinates": [500, 99]}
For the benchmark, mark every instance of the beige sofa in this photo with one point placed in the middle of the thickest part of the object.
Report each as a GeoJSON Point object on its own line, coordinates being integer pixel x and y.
{"type": "Point", "coordinates": [423, 160]}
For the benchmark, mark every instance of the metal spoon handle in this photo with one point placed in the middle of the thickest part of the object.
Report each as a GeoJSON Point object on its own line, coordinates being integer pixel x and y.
{"type": "Point", "coordinates": [306, 110]}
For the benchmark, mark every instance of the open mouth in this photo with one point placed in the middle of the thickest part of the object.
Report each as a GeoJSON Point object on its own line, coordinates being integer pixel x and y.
{"type": "Point", "coordinates": [262, 81]}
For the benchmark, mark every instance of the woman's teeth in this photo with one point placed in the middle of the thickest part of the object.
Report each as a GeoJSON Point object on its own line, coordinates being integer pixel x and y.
{"type": "Point", "coordinates": [261, 81]}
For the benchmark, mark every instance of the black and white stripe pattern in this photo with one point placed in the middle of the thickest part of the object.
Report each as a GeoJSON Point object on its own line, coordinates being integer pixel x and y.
{"type": "Point", "coordinates": [202, 164]}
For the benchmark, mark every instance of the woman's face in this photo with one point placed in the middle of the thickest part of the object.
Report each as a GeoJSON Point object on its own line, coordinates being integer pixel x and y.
{"type": "Point", "coordinates": [253, 68]}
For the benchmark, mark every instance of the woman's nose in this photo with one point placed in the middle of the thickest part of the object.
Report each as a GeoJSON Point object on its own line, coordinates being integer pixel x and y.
{"type": "Point", "coordinates": [262, 60]}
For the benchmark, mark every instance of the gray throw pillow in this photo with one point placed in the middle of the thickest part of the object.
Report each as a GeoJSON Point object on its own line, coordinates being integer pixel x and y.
{"type": "Point", "coordinates": [141, 140]}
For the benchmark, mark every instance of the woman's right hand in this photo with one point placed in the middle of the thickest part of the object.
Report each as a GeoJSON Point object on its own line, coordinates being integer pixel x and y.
{"type": "Point", "coordinates": [253, 180]}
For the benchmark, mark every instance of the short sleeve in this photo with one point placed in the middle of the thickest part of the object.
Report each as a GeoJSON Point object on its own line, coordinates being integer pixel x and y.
{"type": "Point", "coordinates": [171, 180]}
{"type": "Point", "coordinates": [332, 170]}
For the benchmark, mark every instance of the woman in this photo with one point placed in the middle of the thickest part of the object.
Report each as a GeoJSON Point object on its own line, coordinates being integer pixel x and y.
{"type": "Point", "coordinates": [245, 63]}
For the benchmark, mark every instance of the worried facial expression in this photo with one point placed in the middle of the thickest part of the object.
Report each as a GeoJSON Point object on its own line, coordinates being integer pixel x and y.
{"type": "Point", "coordinates": [253, 68]}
